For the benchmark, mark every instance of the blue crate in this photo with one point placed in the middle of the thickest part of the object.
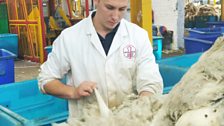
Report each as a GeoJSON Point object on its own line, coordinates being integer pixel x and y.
{"type": "Point", "coordinates": [9, 42]}
{"type": "Point", "coordinates": [157, 47]}
{"type": "Point", "coordinates": [22, 103]}
{"type": "Point", "coordinates": [172, 69]}
{"type": "Point", "coordinates": [194, 45]}
{"type": "Point", "coordinates": [6, 66]}
{"type": "Point", "coordinates": [205, 33]}
{"type": "Point", "coordinates": [216, 24]}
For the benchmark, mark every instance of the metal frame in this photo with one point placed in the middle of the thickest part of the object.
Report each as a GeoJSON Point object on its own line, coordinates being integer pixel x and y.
{"type": "Point", "coordinates": [28, 23]}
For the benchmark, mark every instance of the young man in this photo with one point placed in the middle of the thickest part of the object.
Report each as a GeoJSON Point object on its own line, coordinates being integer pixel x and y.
{"type": "Point", "coordinates": [103, 51]}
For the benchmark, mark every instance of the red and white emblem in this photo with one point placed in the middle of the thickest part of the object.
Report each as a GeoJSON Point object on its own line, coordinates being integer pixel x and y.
{"type": "Point", "coordinates": [129, 51]}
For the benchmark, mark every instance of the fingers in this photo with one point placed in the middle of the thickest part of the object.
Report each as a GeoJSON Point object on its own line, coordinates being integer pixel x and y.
{"type": "Point", "coordinates": [86, 88]}
{"type": "Point", "coordinates": [85, 93]}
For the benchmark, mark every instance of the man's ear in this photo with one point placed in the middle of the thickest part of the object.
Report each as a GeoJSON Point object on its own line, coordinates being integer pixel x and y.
{"type": "Point", "coordinates": [96, 2]}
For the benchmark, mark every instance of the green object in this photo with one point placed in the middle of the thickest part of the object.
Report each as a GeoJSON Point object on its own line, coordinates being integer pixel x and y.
{"type": "Point", "coordinates": [4, 24]}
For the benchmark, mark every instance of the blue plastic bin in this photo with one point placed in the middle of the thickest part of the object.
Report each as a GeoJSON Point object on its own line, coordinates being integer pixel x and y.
{"type": "Point", "coordinates": [21, 104]}
{"type": "Point", "coordinates": [194, 45]}
{"type": "Point", "coordinates": [157, 47]}
{"type": "Point", "coordinates": [6, 66]}
{"type": "Point", "coordinates": [205, 33]}
{"type": "Point", "coordinates": [172, 69]}
{"type": "Point", "coordinates": [9, 42]}
{"type": "Point", "coordinates": [216, 24]}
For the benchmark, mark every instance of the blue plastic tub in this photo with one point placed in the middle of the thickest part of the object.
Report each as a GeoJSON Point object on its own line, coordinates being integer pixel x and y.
{"type": "Point", "coordinates": [205, 32]}
{"type": "Point", "coordinates": [172, 69]}
{"type": "Point", "coordinates": [9, 42]}
{"type": "Point", "coordinates": [6, 67]}
{"type": "Point", "coordinates": [194, 45]}
{"type": "Point", "coordinates": [22, 104]}
{"type": "Point", "coordinates": [157, 47]}
{"type": "Point", "coordinates": [216, 24]}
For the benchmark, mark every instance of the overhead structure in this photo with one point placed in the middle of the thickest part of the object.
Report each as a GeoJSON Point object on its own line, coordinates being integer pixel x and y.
{"type": "Point", "coordinates": [141, 14]}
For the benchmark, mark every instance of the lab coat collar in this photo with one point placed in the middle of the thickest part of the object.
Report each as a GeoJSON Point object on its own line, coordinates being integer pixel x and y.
{"type": "Point", "coordinates": [92, 34]}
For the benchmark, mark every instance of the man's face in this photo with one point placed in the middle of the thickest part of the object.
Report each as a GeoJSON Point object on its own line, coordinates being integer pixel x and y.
{"type": "Point", "coordinates": [110, 12]}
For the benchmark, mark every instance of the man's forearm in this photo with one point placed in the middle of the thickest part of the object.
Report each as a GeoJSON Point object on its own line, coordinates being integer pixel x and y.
{"type": "Point", "coordinates": [59, 89]}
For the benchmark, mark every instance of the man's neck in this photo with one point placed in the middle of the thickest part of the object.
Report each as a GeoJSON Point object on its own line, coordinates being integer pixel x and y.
{"type": "Point", "coordinates": [99, 29]}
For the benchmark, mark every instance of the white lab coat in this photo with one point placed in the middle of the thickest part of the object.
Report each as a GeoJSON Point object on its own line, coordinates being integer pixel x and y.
{"type": "Point", "coordinates": [130, 63]}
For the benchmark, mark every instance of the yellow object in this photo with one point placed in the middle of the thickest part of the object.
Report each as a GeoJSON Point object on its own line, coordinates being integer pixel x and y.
{"type": "Point", "coordinates": [63, 15]}
{"type": "Point", "coordinates": [36, 33]}
{"type": "Point", "coordinates": [26, 21]}
{"type": "Point", "coordinates": [53, 24]}
{"type": "Point", "coordinates": [141, 14]}
{"type": "Point", "coordinates": [78, 9]}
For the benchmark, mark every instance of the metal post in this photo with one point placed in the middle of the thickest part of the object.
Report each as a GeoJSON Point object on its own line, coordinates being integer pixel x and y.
{"type": "Point", "coordinates": [141, 14]}
{"type": "Point", "coordinates": [42, 52]}
{"type": "Point", "coordinates": [222, 10]}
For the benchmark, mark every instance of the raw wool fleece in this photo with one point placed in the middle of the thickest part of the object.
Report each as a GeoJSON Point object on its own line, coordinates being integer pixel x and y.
{"type": "Point", "coordinates": [134, 111]}
{"type": "Point", "coordinates": [206, 116]}
{"type": "Point", "coordinates": [197, 100]}
{"type": "Point", "coordinates": [202, 86]}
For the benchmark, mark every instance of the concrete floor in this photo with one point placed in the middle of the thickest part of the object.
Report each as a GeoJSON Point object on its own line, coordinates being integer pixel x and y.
{"type": "Point", "coordinates": [26, 70]}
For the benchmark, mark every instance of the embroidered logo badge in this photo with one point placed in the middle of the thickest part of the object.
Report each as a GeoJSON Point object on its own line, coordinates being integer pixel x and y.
{"type": "Point", "coordinates": [129, 51]}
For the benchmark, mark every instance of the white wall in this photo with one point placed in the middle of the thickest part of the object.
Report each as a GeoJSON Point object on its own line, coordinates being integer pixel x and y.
{"type": "Point", "coordinates": [170, 13]}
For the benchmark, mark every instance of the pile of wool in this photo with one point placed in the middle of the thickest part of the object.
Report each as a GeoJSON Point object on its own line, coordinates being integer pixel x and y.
{"type": "Point", "coordinates": [134, 111]}
{"type": "Point", "coordinates": [206, 10]}
{"type": "Point", "coordinates": [197, 100]}
{"type": "Point", "coordinates": [200, 93]}
{"type": "Point", "coordinates": [192, 11]}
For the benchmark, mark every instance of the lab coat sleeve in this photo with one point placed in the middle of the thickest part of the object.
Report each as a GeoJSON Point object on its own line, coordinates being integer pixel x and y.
{"type": "Point", "coordinates": [57, 64]}
{"type": "Point", "coordinates": [148, 76]}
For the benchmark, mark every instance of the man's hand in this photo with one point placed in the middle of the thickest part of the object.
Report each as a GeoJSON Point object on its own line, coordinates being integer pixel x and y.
{"type": "Point", "coordinates": [145, 93]}
{"type": "Point", "coordinates": [86, 88]}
